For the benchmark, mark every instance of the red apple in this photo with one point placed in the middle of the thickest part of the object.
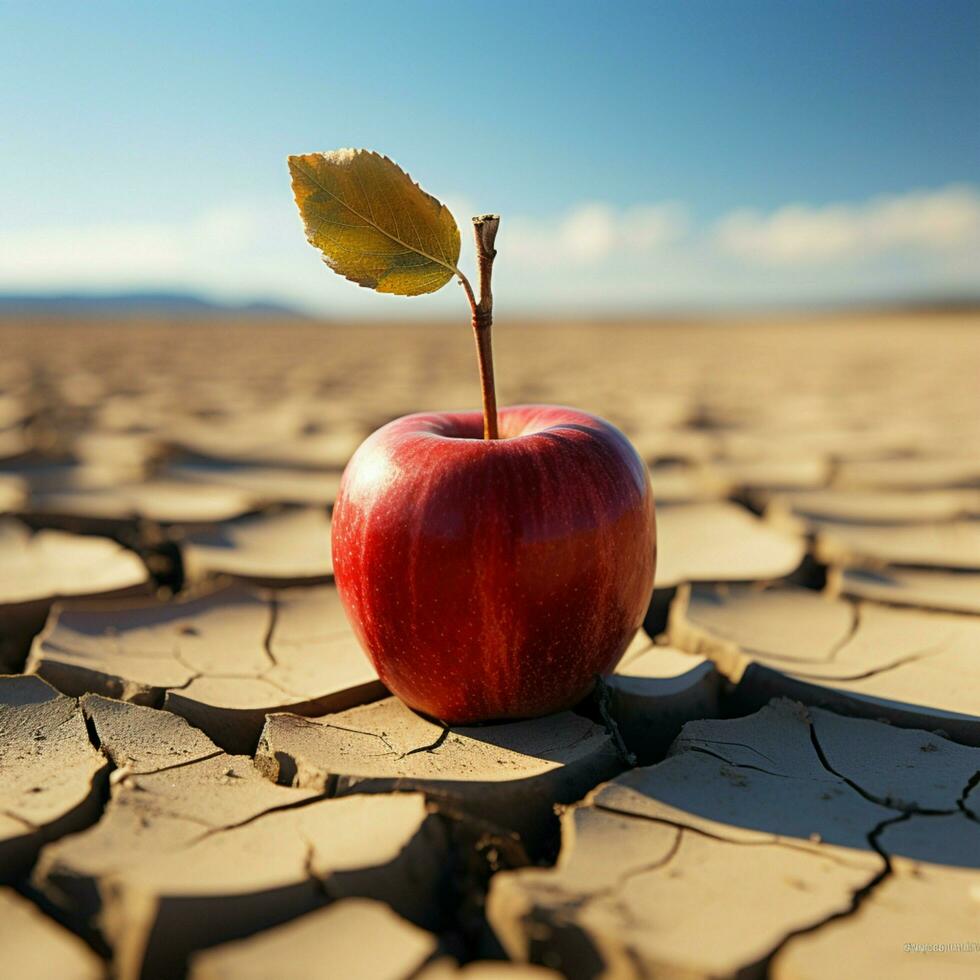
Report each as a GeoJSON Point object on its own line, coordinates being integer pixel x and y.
{"type": "Point", "coordinates": [494, 578]}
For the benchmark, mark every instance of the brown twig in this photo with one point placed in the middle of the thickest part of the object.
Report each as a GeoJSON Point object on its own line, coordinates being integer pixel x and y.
{"type": "Point", "coordinates": [485, 229]}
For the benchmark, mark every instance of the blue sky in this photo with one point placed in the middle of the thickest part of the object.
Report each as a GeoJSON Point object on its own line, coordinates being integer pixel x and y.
{"type": "Point", "coordinates": [655, 154]}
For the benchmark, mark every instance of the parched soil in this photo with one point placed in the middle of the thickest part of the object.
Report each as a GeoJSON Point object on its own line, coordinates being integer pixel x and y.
{"type": "Point", "coordinates": [201, 775]}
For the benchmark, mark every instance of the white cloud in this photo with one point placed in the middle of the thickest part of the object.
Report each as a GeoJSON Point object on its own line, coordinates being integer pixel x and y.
{"type": "Point", "coordinates": [593, 257]}
{"type": "Point", "coordinates": [926, 221]}
{"type": "Point", "coordinates": [124, 252]}
{"type": "Point", "coordinates": [593, 232]}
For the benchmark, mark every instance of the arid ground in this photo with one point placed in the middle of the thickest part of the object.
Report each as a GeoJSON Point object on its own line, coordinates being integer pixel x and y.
{"type": "Point", "coordinates": [200, 773]}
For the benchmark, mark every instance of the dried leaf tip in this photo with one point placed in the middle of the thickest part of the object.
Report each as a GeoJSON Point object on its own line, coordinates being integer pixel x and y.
{"type": "Point", "coordinates": [373, 224]}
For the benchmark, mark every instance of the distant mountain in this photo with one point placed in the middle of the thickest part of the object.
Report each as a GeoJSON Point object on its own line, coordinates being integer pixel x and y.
{"type": "Point", "coordinates": [130, 304]}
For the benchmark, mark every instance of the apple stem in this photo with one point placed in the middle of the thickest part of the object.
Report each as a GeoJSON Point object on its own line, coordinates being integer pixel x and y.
{"type": "Point", "coordinates": [485, 229]}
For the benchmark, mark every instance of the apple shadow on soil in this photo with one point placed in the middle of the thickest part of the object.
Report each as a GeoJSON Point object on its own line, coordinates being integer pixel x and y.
{"type": "Point", "coordinates": [814, 776]}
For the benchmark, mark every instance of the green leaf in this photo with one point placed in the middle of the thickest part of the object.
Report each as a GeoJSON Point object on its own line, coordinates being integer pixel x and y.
{"type": "Point", "coordinates": [373, 223]}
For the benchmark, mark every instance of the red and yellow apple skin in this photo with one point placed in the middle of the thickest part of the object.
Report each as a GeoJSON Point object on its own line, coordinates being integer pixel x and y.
{"type": "Point", "coordinates": [494, 579]}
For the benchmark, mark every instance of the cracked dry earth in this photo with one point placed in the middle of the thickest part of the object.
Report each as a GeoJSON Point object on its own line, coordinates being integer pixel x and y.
{"type": "Point", "coordinates": [200, 774]}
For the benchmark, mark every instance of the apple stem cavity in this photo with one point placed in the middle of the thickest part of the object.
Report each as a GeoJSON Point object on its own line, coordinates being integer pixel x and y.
{"type": "Point", "coordinates": [485, 230]}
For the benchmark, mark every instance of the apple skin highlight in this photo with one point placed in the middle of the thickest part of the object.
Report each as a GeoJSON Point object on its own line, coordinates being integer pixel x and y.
{"type": "Point", "coordinates": [494, 579]}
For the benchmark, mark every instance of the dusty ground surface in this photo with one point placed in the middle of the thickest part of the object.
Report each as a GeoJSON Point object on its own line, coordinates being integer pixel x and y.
{"type": "Point", "coordinates": [200, 773]}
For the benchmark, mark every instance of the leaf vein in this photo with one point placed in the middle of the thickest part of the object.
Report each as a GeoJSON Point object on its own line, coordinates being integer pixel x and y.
{"type": "Point", "coordinates": [315, 180]}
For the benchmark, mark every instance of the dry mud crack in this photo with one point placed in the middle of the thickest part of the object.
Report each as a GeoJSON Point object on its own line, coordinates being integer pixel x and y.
{"type": "Point", "coordinates": [510, 775]}
{"type": "Point", "coordinates": [654, 690]}
{"type": "Point", "coordinates": [52, 779]}
{"type": "Point", "coordinates": [196, 847]}
{"type": "Point", "coordinates": [164, 502]}
{"type": "Point", "coordinates": [364, 939]}
{"type": "Point", "coordinates": [721, 542]}
{"type": "Point", "coordinates": [289, 547]}
{"type": "Point", "coordinates": [223, 660]}
{"type": "Point", "coordinates": [749, 834]}
{"type": "Point", "coordinates": [794, 843]}
{"type": "Point", "coordinates": [37, 568]}
{"type": "Point", "coordinates": [915, 668]}
{"type": "Point", "coordinates": [359, 939]}
{"type": "Point", "coordinates": [914, 587]}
